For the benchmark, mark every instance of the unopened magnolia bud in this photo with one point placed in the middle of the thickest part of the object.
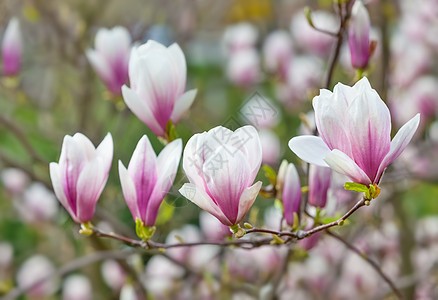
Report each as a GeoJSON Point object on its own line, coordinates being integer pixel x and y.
{"type": "Point", "coordinates": [359, 35]}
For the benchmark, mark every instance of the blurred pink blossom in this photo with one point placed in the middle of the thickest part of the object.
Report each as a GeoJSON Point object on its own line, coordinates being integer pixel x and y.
{"type": "Point", "coordinates": [12, 48]}
{"type": "Point", "coordinates": [157, 76]}
{"type": "Point", "coordinates": [111, 56]}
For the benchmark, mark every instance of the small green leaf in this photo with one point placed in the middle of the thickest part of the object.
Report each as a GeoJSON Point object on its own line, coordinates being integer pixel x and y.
{"type": "Point", "coordinates": [357, 187]}
{"type": "Point", "coordinates": [270, 174]}
{"type": "Point", "coordinates": [142, 231]}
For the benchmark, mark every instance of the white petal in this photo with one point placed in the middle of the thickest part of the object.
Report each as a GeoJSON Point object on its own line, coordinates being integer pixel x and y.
{"type": "Point", "coordinates": [85, 144]}
{"type": "Point", "coordinates": [247, 199]}
{"type": "Point", "coordinates": [105, 150]}
{"type": "Point", "coordinates": [201, 199]}
{"type": "Point", "coordinates": [100, 65]}
{"type": "Point", "coordinates": [180, 65]}
{"type": "Point", "coordinates": [141, 110]}
{"type": "Point", "coordinates": [247, 139]}
{"type": "Point", "coordinates": [309, 148]}
{"type": "Point", "coordinates": [342, 163]}
{"type": "Point", "coordinates": [399, 142]}
{"type": "Point", "coordinates": [129, 191]}
{"type": "Point", "coordinates": [182, 105]}
{"type": "Point", "coordinates": [55, 176]}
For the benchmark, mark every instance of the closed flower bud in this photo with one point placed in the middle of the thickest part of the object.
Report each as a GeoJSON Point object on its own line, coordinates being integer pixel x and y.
{"type": "Point", "coordinates": [157, 75]}
{"type": "Point", "coordinates": [148, 178]}
{"type": "Point", "coordinates": [81, 174]}
{"type": "Point", "coordinates": [359, 35]}
{"type": "Point", "coordinates": [12, 48]}
{"type": "Point", "coordinates": [291, 195]}
{"type": "Point", "coordinates": [319, 183]}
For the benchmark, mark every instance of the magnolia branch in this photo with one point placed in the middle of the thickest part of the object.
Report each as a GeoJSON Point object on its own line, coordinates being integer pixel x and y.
{"type": "Point", "coordinates": [371, 262]}
{"type": "Point", "coordinates": [243, 243]}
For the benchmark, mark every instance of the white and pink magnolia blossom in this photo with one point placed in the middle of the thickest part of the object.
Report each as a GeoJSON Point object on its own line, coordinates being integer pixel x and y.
{"type": "Point", "coordinates": [113, 274]}
{"type": "Point", "coordinates": [81, 174]}
{"type": "Point", "coordinates": [278, 52]}
{"type": "Point", "coordinates": [110, 57]}
{"type": "Point", "coordinates": [270, 147]}
{"type": "Point", "coordinates": [77, 287]}
{"type": "Point", "coordinates": [354, 125]}
{"type": "Point", "coordinates": [148, 178]}
{"type": "Point", "coordinates": [38, 204]}
{"type": "Point", "coordinates": [221, 166]}
{"type": "Point", "coordinates": [311, 40]}
{"type": "Point", "coordinates": [30, 273]}
{"type": "Point", "coordinates": [239, 37]}
{"type": "Point", "coordinates": [14, 180]}
{"type": "Point", "coordinates": [244, 68]}
{"type": "Point", "coordinates": [157, 76]}
{"type": "Point", "coordinates": [12, 48]}
{"type": "Point", "coordinates": [359, 35]}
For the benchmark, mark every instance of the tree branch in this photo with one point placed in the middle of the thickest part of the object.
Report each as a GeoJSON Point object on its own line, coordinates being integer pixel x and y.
{"type": "Point", "coordinates": [372, 263]}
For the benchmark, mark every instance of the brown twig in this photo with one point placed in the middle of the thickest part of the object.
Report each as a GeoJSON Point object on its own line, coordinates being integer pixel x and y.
{"type": "Point", "coordinates": [344, 14]}
{"type": "Point", "coordinates": [22, 138]}
{"type": "Point", "coordinates": [371, 262]}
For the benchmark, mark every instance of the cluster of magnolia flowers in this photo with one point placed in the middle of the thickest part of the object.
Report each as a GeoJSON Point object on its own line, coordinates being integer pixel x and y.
{"type": "Point", "coordinates": [353, 123]}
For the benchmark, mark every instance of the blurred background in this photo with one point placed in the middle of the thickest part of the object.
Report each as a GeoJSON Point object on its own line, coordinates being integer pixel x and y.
{"type": "Point", "coordinates": [244, 57]}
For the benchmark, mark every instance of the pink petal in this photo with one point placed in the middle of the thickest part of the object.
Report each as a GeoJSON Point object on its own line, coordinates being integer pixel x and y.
{"type": "Point", "coordinates": [142, 170]}
{"type": "Point", "coordinates": [342, 163]}
{"type": "Point", "coordinates": [167, 167]}
{"type": "Point", "coordinates": [227, 174]}
{"type": "Point", "coordinates": [90, 185]}
{"type": "Point", "coordinates": [309, 148]}
{"type": "Point", "coordinates": [201, 199]}
{"type": "Point", "coordinates": [369, 131]}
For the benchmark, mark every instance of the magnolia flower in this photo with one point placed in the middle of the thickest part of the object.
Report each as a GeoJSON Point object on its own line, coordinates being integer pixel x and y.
{"type": "Point", "coordinates": [29, 277]}
{"type": "Point", "coordinates": [278, 52]}
{"type": "Point", "coordinates": [111, 56]}
{"type": "Point", "coordinates": [291, 194]}
{"type": "Point", "coordinates": [77, 287]}
{"type": "Point", "coordinates": [354, 125]}
{"type": "Point", "coordinates": [148, 178]}
{"type": "Point", "coordinates": [12, 48]}
{"type": "Point", "coordinates": [81, 174]}
{"type": "Point", "coordinates": [221, 166]}
{"type": "Point", "coordinates": [311, 40]}
{"type": "Point", "coordinates": [14, 180]}
{"type": "Point", "coordinates": [244, 68]}
{"type": "Point", "coordinates": [158, 78]}
{"type": "Point", "coordinates": [240, 37]}
{"type": "Point", "coordinates": [359, 35]}
{"type": "Point", "coordinates": [319, 183]}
